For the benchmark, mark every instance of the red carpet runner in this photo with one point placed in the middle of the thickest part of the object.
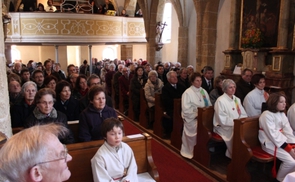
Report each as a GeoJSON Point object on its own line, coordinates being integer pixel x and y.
{"type": "Point", "coordinates": [170, 166]}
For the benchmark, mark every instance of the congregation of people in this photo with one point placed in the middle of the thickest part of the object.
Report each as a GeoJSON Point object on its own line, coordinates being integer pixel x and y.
{"type": "Point", "coordinates": [70, 6]}
{"type": "Point", "coordinates": [43, 94]}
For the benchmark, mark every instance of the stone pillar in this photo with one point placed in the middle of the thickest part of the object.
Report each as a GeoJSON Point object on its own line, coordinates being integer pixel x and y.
{"type": "Point", "coordinates": [283, 24]}
{"type": "Point", "coordinates": [56, 53]}
{"type": "Point", "coordinates": [234, 24]}
{"type": "Point", "coordinates": [8, 53]}
{"type": "Point", "coordinates": [5, 123]}
{"type": "Point", "coordinates": [126, 52]}
{"type": "Point", "coordinates": [151, 51]}
{"type": "Point", "coordinates": [182, 45]}
{"type": "Point", "coordinates": [90, 58]}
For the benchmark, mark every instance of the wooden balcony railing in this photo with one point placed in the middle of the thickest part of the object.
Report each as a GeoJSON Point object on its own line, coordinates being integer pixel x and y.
{"type": "Point", "coordinates": [73, 28]}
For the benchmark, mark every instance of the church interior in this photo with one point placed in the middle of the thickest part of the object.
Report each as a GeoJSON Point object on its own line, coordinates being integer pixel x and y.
{"type": "Point", "coordinates": [227, 35]}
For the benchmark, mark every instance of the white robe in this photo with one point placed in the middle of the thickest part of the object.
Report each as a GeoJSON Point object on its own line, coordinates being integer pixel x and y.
{"type": "Point", "coordinates": [191, 100]}
{"type": "Point", "coordinates": [223, 121]}
{"type": "Point", "coordinates": [274, 131]}
{"type": "Point", "coordinates": [291, 117]}
{"type": "Point", "coordinates": [107, 164]}
{"type": "Point", "coordinates": [253, 102]}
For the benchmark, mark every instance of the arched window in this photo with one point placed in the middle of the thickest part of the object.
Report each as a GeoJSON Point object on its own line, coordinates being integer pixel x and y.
{"type": "Point", "coordinates": [109, 53]}
{"type": "Point", "coordinates": [15, 54]}
{"type": "Point", "coordinates": [167, 16]}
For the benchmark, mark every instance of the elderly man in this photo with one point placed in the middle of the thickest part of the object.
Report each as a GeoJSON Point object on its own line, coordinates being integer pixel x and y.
{"type": "Point", "coordinates": [172, 90]}
{"type": "Point", "coordinates": [36, 154]}
{"type": "Point", "coordinates": [244, 85]}
{"type": "Point", "coordinates": [207, 78]}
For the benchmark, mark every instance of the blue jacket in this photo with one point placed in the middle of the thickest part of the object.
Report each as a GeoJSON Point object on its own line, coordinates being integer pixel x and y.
{"type": "Point", "coordinates": [90, 122]}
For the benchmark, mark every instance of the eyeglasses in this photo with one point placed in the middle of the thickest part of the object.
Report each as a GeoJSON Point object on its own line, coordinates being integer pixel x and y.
{"type": "Point", "coordinates": [64, 157]}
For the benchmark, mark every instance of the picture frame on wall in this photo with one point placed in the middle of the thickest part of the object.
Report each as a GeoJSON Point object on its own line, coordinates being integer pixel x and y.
{"type": "Point", "coordinates": [262, 15]}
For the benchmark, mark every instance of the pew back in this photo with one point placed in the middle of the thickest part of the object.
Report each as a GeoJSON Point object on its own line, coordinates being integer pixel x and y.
{"type": "Point", "coordinates": [158, 126]}
{"type": "Point", "coordinates": [177, 125]}
{"type": "Point", "coordinates": [82, 153]}
{"type": "Point", "coordinates": [121, 103]}
{"type": "Point", "coordinates": [246, 146]}
{"type": "Point", "coordinates": [143, 121]}
{"type": "Point", "coordinates": [204, 135]}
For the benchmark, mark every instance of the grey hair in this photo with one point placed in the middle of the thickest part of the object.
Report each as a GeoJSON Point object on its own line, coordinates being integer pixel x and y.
{"type": "Point", "coordinates": [226, 83]}
{"type": "Point", "coordinates": [168, 75]}
{"type": "Point", "coordinates": [153, 72]}
{"type": "Point", "coordinates": [26, 149]}
{"type": "Point", "coordinates": [26, 84]}
{"type": "Point", "coordinates": [112, 65]}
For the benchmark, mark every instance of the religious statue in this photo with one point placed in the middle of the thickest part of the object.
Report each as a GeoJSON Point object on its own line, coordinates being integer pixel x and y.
{"type": "Point", "coordinates": [159, 31]}
{"type": "Point", "coordinates": [5, 19]}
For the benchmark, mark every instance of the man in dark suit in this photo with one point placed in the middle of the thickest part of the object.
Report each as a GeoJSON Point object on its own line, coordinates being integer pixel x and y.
{"type": "Point", "coordinates": [207, 78]}
{"type": "Point", "coordinates": [172, 90]}
{"type": "Point", "coordinates": [244, 85]}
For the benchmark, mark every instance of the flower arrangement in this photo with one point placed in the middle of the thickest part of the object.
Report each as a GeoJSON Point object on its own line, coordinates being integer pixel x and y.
{"type": "Point", "coordinates": [253, 38]}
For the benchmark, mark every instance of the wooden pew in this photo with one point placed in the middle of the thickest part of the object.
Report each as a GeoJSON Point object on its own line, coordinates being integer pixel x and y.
{"type": "Point", "coordinates": [74, 126]}
{"type": "Point", "coordinates": [246, 147]}
{"type": "Point", "coordinates": [205, 136]}
{"type": "Point", "coordinates": [121, 104]}
{"type": "Point", "coordinates": [16, 130]}
{"type": "Point", "coordinates": [158, 126]}
{"type": "Point", "coordinates": [130, 108]}
{"type": "Point", "coordinates": [143, 120]}
{"type": "Point", "coordinates": [82, 153]}
{"type": "Point", "coordinates": [177, 125]}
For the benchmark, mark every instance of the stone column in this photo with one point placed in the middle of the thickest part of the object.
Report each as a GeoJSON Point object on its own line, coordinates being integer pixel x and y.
{"type": "Point", "coordinates": [56, 53]}
{"type": "Point", "coordinates": [5, 123]}
{"type": "Point", "coordinates": [283, 24]}
{"type": "Point", "coordinates": [126, 52]}
{"type": "Point", "coordinates": [8, 53]}
{"type": "Point", "coordinates": [234, 30]}
{"type": "Point", "coordinates": [90, 58]}
{"type": "Point", "coordinates": [182, 45]}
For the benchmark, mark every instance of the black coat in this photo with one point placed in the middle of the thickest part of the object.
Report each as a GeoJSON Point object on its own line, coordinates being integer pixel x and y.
{"type": "Point", "coordinates": [206, 86]}
{"type": "Point", "coordinates": [61, 119]}
{"type": "Point", "coordinates": [70, 108]}
{"type": "Point", "coordinates": [242, 89]}
{"type": "Point", "coordinates": [20, 112]}
{"type": "Point", "coordinates": [169, 93]}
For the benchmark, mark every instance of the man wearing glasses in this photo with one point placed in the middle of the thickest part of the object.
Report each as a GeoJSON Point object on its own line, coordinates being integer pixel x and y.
{"type": "Point", "coordinates": [36, 154]}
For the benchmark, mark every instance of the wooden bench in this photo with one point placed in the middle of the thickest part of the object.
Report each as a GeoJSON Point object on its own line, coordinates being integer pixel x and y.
{"type": "Point", "coordinates": [82, 153]}
{"type": "Point", "coordinates": [121, 102]}
{"type": "Point", "coordinates": [177, 125]}
{"type": "Point", "coordinates": [246, 146]}
{"type": "Point", "coordinates": [158, 126]}
{"type": "Point", "coordinates": [16, 130]}
{"type": "Point", "coordinates": [74, 126]}
{"type": "Point", "coordinates": [130, 108]}
{"type": "Point", "coordinates": [143, 120]}
{"type": "Point", "coordinates": [206, 138]}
